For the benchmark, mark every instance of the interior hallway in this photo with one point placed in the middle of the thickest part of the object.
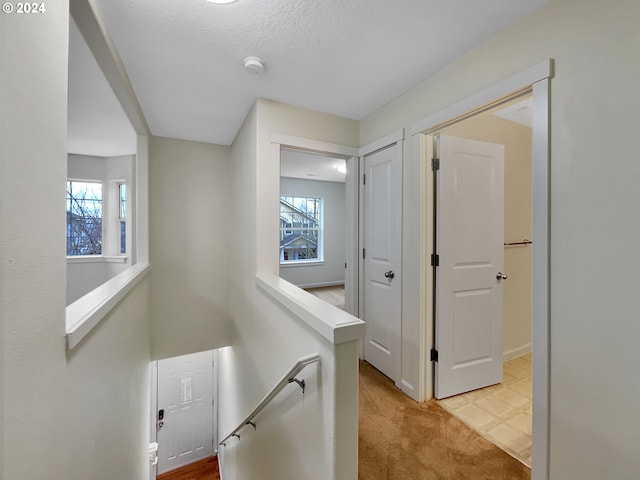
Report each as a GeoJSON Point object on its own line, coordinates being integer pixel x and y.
{"type": "Point", "coordinates": [402, 439]}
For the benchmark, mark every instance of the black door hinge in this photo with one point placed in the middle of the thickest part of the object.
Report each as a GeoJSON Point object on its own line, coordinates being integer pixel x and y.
{"type": "Point", "coordinates": [434, 355]}
{"type": "Point", "coordinates": [435, 260]}
{"type": "Point", "coordinates": [363, 253]}
{"type": "Point", "coordinates": [364, 178]}
{"type": "Point", "coordinates": [435, 164]}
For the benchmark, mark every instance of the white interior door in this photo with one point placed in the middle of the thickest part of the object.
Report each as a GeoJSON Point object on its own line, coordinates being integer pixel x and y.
{"type": "Point", "coordinates": [469, 282]}
{"type": "Point", "coordinates": [185, 398]}
{"type": "Point", "coordinates": [382, 213]}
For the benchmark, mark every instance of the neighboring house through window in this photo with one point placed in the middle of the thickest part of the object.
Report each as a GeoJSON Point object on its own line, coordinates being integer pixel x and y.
{"type": "Point", "coordinates": [300, 229]}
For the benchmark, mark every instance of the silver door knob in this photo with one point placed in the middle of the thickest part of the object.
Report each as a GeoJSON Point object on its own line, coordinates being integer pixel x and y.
{"type": "Point", "coordinates": [389, 274]}
{"type": "Point", "coordinates": [501, 276]}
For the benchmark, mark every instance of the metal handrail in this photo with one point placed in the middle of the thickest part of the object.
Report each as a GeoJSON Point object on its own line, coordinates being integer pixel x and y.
{"type": "Point", "coordinates": [288, 378]}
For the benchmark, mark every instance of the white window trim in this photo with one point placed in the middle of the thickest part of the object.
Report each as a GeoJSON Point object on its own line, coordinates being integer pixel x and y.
{"type": "Point", "coordinates": [316, 261]}
{"type": "Point", "coordinates": [96, 259]}
{"type": "Point", "coordinates": [104, 201]}
{"type": "Point", "coordinates": [302, 263]}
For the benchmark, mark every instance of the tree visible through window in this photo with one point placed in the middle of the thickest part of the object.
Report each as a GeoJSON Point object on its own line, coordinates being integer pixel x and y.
{"type": "Point", "coordinates": [84, 218]}
{"type": "Point", "coordinates": [300, 228]}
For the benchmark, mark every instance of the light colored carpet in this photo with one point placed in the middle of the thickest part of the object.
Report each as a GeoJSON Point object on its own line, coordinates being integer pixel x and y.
{"type": "Point", "coordinates": [400, 439]}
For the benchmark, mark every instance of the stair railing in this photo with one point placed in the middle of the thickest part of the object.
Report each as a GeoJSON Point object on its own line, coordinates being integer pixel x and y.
{"type": "Point", "coordinates": [289, 377]}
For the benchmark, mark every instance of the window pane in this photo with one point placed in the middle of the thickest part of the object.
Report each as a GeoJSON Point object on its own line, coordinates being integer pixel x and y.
{"type": "Point", "coordinates": [123, 236]}
{"type": "Point", "coordinates": [123, 200]}
{"type": "Point", "coordinates": [84, 218]}
{"type": "Point", "coordinates": [300, 234]}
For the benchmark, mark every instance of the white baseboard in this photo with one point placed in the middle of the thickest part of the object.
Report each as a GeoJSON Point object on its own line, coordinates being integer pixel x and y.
{"type": "Point", "coordinates": [516, 352]}
{"type": "Point", "coordinates": [321, 284]}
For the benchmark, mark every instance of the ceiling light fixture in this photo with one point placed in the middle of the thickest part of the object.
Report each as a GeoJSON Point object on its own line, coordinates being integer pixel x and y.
{"type": "Point", "coordinates": [222, 2]}
{"type": "Point", "coordinates": [254, 64]}
{"type": "Point", "coordinates": [341, 167]}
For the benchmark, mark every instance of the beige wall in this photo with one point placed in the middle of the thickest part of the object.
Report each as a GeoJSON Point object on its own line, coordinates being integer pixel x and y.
{"type": "Point", "coordinates": [516, 139]}
{"type": "Point", "coordinates": [79, 415]}
{"type": "Point", "coordinates": [295, 438]}
{"type": "Point", "coordinates": [190, 245]}
{"type": "Point", "coordinates": [594, 192]}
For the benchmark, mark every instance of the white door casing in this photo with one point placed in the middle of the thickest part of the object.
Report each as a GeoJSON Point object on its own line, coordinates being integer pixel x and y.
{"type": "Point", "coordinates": [382, 242]}
{"type": "Point", "coordinates": [185, 393]}
{"type": "Point", "coordinates": [469, 243]}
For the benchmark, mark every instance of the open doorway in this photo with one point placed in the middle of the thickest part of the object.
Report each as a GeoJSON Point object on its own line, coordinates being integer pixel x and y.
{"type": "Point", "coordinates": [318, 220]}
{"type": "Point", "coordinates": [537, 81]}
{"type": "Point", "coordinates": [313, 223]}
{"type": "Point", "coordinates": [495, 396]}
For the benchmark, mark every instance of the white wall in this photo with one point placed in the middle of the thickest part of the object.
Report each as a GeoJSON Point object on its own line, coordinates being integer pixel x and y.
{"type": "Point", "coordinates": [85, 276]}
{"type": "Point", "coordinates": [332, 271]}
{"type": "Point", "coordinates": [594, 192]}
{"type": "Point", "coordinates": [315, 438]}
{"type": "Point", "coordinates": [191, 235]}
{"type": "Point", "coordinates": [82, 415]}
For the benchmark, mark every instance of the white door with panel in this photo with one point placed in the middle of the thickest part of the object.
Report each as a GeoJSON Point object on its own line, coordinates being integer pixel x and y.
{"type": "Point", "coordinates": [185, 410]}
{"type": "Point", "coordinates": [470, 275]}
{"type": "Point", "coordinates": [382, 237]}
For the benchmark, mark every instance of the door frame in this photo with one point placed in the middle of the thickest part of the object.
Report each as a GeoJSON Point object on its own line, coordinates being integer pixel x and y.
{"type": "Point", "coordinates": [380, 144]}
{"type": "Point", "coordinates": [350, 155]}
{"type": "Point", "coordinates": [536, 80]}
{"type": "Point", "coordinates": [396, 137]}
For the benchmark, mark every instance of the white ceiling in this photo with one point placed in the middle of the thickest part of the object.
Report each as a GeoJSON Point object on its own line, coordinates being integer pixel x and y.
{"type": "Point", "coordinates": [520, 112]}
{"type": "Point", "coordinates": [310, 166]}
{"type": "Point", "coordinates": [345, 57]}
{"type": "Point", "coordinates": [97, 124]}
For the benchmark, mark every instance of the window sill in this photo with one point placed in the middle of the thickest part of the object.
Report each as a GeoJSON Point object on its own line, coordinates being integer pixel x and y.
{"type": "Point", "coordinates": [86, 312]}
{"type": "Point", "coordinates": [302, 263]}
{"type": "Point", "coordinates": [97, 259]}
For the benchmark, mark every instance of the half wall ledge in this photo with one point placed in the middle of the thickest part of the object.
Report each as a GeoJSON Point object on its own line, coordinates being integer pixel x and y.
{"type": "Point", "coordinates": [335, 325]}
{"type": "Point", "coordinates": [86, 312]}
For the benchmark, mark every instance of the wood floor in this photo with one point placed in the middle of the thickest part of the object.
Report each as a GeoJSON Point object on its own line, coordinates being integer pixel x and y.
{"type": "Point", "coordinates": [206, 469]}
{"type": "Point", "coordinates": [333, 295]}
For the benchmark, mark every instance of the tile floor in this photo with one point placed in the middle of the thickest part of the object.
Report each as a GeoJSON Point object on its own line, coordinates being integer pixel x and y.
{"type": "Point", "coordinates": [501, 413]}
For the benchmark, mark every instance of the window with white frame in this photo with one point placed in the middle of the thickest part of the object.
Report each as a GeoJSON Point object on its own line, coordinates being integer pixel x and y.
{"type": "Point", "coordinates": [122, 216]}
{"type": "Point", "coordinates": [300, 229]}
{"type": "Point", "coordinates": [84, 218]}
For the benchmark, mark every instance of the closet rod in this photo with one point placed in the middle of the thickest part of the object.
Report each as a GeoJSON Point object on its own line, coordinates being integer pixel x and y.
{"type": "Point", "coordinates": [523, 242]}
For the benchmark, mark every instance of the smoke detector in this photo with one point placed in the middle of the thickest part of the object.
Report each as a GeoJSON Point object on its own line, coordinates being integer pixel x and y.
{"type": "Point", "coordinates": [254, 65]}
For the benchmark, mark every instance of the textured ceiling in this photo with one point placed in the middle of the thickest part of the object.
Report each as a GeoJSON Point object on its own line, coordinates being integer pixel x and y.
{"type": "Point", "coordinates": [345, 57]}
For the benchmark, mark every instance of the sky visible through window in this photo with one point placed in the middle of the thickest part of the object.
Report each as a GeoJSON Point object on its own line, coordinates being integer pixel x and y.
{"type": "Point", "coordinates": [84, 218]}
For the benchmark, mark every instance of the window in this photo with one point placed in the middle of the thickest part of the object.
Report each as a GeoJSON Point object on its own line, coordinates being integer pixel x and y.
{"type": "Point", "coordinates": [84, 218]}
{"type": "Point", "coordinates": [122, 216]}
{"type": "Point", "coordinates": [300, 229]}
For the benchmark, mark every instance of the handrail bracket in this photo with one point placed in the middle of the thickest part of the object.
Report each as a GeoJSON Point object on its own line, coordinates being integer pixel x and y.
{"type": "Point", "coordinates": [301, 383]}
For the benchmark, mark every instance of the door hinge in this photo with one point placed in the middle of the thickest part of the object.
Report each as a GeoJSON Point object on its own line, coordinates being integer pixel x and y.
{"type": "Point", "coordinates": [363, 253]}
{"type": "Point", "coordinates": [364, 178]}
{"type": "Point", "coordinates": [434, 355]}
{"type": "Point", "coordinates": [435, 164]}
{"type": "Point", "coordinates": [435, 260]}
{"type": "Point", "coordinates": [345, 265]}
